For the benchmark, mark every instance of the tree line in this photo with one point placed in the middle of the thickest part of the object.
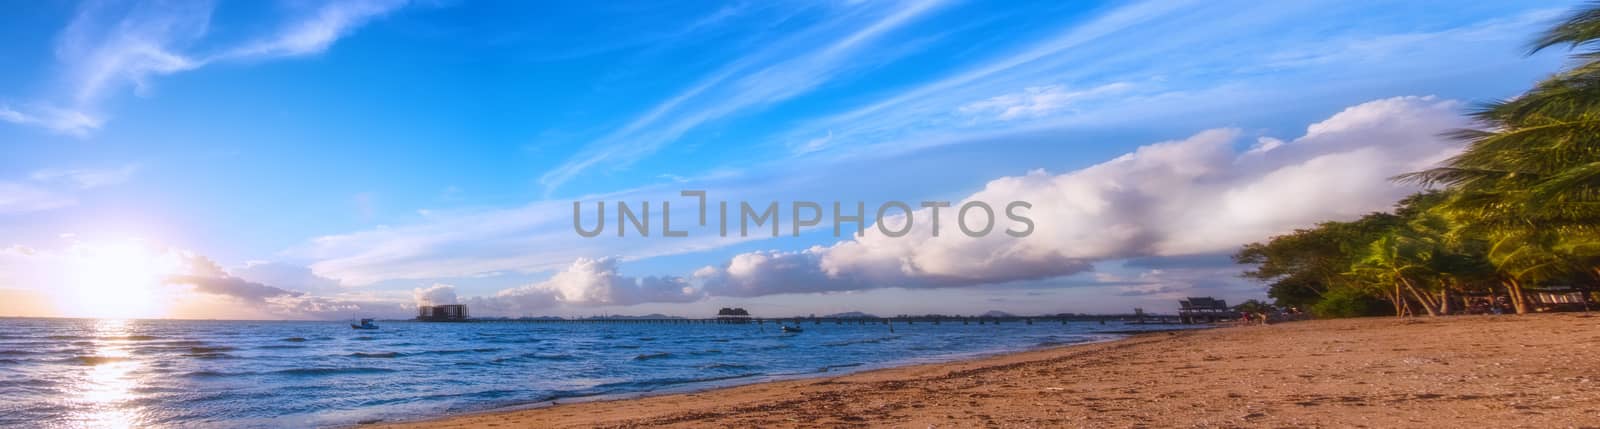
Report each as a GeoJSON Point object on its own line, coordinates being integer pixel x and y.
{"type": "Point", "coordinates": [1516, 211]}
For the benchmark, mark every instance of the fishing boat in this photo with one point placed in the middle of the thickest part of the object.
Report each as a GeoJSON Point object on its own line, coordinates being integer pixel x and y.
{"type": "Point", "coordinates": [791, 329]}
{"type": "Point", "coordinates": [365, 324]}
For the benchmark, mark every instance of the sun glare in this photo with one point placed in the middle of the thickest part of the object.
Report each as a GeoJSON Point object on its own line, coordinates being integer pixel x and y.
{"type": "Point", "coordinates": [115, 281]}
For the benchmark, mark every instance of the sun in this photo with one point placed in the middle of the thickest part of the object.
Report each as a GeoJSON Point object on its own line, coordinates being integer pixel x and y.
{"type": "Point", "coordinates": [115, 281]}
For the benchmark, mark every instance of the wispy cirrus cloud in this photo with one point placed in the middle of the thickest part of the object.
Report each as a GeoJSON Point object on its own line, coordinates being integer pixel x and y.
{"type": "Point", "coordinates": [1150, 60]}
{"type": "Point", "coordinates": [1036, 101]}
{"type": "Point", "coordinates": [108, 46]}
{"type": "Point", "coordinates": [55, 188]}
{"type": "Point", "coordinates": [63, 121]}
{"type": "Point", "coordinates": [23, 197]}
{"type": "Point", "coordinates": [759, 79]}
{"type": "Point", "coordinates": [314, 34]}
{"type": "Point", "coordinates": [86, 178]}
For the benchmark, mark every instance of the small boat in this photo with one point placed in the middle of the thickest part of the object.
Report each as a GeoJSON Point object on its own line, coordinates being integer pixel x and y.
{"type": "Point", "coordinates": [791, 329]}
{"type": "Point", "coordinates": [365, 324]}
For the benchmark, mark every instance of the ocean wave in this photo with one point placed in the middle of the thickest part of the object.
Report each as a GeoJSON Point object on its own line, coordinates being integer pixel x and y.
{"type": "Point", "coordinates": [294, 339]}
{"type": "Point", "coordinates": [130, 338]}
{"type": "Point", "coordinates": [96, 360]}
{"type": "Point", "coordinates": [726, 366]}
{"type": "Point", "coordinates": [332, 371]}
{"type": "Point", "coordinates": [458, 351]}
{"type": "Point", "coordinates": [648, 356]}
{"type": "Point", "coordinates": [834, 367]}
{"type": "Point", "coordinates": [860, 341]}
{"type": "Point", "coordinates": [209, 374]}
{"type": "Point", "coordinates": [177, 343]}
{"type": "Point", "coordinates": [375, 355]}
{"type": "Point", "coordinates": [1053, 343]}
{"type": "Point", "coordinates": [210, 355]}
{"type": "Point", "coordinates": [281, 346]}
{"type": "Point", "coordinates": [652, 384]}
{"type": "Point", "coordinates": [514, 340]}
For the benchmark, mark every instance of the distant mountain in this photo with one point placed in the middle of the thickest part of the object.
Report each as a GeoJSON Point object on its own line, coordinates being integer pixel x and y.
{"type": "Point", "coordinates": [851, 315]}
{"type": "Point", "coordinates": [997, 313]}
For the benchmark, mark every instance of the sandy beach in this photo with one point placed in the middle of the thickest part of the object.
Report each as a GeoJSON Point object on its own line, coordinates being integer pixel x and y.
{"type": "Point", "coordinates": [1484, 371]}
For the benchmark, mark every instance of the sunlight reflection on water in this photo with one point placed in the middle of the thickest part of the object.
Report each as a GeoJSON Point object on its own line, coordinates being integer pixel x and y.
{"type": "Point", "coordinates": [106, 391]}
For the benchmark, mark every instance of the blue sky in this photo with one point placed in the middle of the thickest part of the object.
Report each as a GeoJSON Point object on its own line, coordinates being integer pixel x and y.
{"type": "Point", "coordinates": [354, 157]}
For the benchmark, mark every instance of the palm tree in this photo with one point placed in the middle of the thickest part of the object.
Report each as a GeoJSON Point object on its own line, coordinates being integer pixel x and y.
{"type": "Point", "coordinates": [1395, 262]}
{"type": "Point", "coordinates": [1529, 178]}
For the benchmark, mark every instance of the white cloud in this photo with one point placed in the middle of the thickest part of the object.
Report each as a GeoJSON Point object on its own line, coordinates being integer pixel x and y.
{"type": "Point", "coordinates": [586, 282]}
{"type": "Point", "coordinates": [763, 78]}
{"type": "Point", "coordinates": [534, 238]}
{"type": "Point", "coordinates": [19, 198]}
{"type": "Point", "coordinates": [1192, 196]}
{"type": "Point", "coordinates": [1036, 101]}
{"type": "Point", "coordinates": [1184, 60]}
{"type": "Point", "coordinates": [176, 282]}
{"type": "Point", "coordinates": [108, 46]}
{"type": "Point", "coordinates": [597, 282]}
{"type": "Point", "coordinates": [54, 188]}
{"type": "Point", "coordinates": [288, 276]}
{"type": "Point", "coordinates": [438, 294]}
{"type": "Point", "coordinates": [86, 178]}
{"type": "Point", "coordinates": [63, 121]}
{"type": "Point", "coordinates": [316, 33]}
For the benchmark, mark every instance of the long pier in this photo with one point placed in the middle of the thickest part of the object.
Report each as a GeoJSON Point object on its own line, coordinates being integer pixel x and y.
{"type": "Point", "coordinates": [909, 320]}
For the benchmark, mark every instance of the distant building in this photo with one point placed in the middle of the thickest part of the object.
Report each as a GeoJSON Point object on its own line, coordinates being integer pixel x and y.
{"type": "Point", "coordinates": [733, 315]}
{"type": "Point", "coordinates": [1203, 310]}
{"type": "Point", "coordinates": [442, 313]}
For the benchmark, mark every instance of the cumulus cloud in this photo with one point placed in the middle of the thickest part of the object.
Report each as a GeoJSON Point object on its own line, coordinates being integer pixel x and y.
{"type": "Point", "coordinates": [597, 282]}
{"type": "Point", "coordinates": [1192, 196]}
{"type": "Point", "coordinates": [587, 282]}
{"type": "Point", "coordinates": [438, 294]}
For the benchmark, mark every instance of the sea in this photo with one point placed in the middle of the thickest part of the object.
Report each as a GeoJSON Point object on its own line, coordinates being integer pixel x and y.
{"type": "Point", "coordinates": [171, 373]}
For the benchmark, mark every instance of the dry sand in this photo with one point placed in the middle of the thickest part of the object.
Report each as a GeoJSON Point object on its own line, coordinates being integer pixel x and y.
{"type": "Point", "coordinates": [1539, 371]}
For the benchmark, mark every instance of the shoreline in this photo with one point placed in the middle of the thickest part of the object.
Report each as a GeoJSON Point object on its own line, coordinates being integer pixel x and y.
{"type": "Point", "coordinates": [1377, 372]}
{"type": "Point", "coordinates": [1116, 335]}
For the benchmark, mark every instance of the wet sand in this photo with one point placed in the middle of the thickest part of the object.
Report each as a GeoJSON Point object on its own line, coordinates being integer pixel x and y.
{"type": "Point", "coordinates": [1537, 371]}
